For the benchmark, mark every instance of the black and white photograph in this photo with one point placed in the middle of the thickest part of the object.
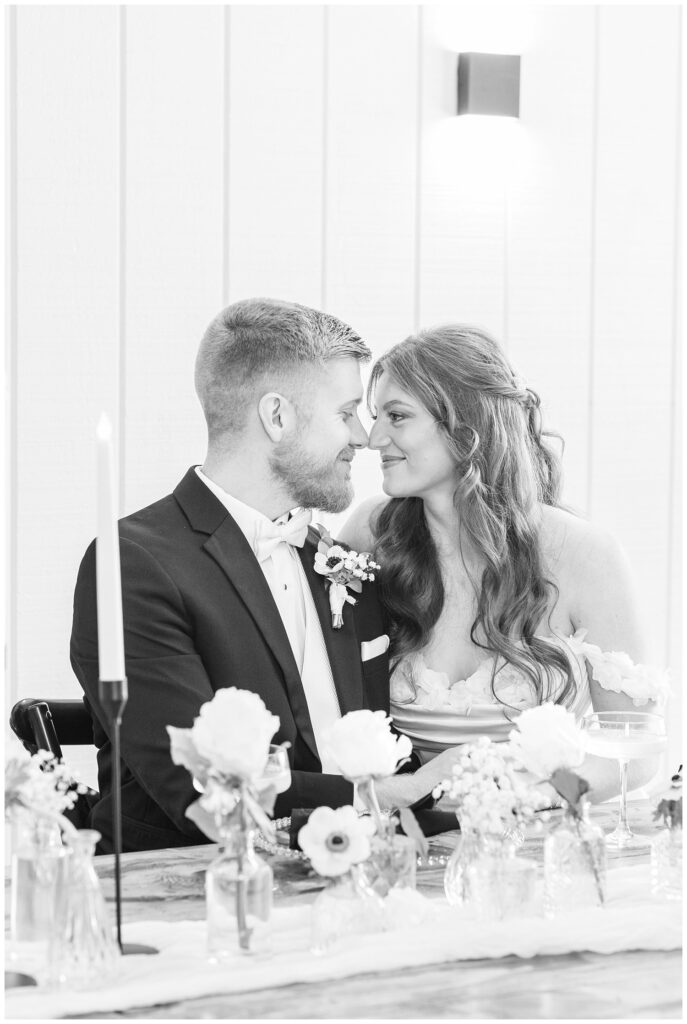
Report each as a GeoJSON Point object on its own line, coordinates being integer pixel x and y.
{"type": "Point", "coordinates": [343, 502]}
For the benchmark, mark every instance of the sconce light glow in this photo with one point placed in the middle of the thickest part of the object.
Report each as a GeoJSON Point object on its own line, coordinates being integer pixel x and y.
{"type": "Point", "coordinates": [489, 83]}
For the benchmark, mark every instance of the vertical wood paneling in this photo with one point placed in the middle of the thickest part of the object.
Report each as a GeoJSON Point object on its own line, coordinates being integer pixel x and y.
{"type": "Point", "coordinates": [10, 454]}
{"type": "Point", "coordinates": [66, 356]}
{"type": "Point", "coordinates": [275, 136]}
{"type": "Point", "coordinates": [173, 235]}
{"type": "Point", "coordinates": [463, 170]}
{"type": "Point", "coordinates": [675, 621]}
{"type": "Point", "coordinates": [549, 230]}
{"type": "Point", "coordinates": [315, 154]}
{"type": "Point", "coordinates": [371, 161]}
{"type": "Point", "coordinates": [636, 166]}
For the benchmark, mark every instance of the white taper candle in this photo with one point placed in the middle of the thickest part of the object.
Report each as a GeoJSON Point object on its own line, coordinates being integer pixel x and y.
{"type": "Point", "coordinates": [108, 572]}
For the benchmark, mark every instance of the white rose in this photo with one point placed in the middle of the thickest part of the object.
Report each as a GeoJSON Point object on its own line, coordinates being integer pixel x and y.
{"type": "Point", "coordinates": [362, 745]}
{"type": "Point", "coordinates": [233, 733]}
{"type": "Point", "coordinates": [547, 738]}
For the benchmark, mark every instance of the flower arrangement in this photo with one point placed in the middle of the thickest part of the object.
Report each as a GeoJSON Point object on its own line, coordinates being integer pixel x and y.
{"type": "Point", "coordinates": [491, 799]}
{"type": "Point", "coordinates": [40, 785]}
{"type": "Point", "coordinates": [669, 808]}
{"type": "Point", "coordinates": [345, 569]}
{"type": "Point", "coordinates": [549, 743]}
{"type": "Point", "coordinates": [365, 749]}
{"type": "Point", "coordinates": [335, 840]}
{"type": "Point", "coordinates": [226, 751]}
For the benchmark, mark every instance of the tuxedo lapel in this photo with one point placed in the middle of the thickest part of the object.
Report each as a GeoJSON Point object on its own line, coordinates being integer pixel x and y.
{"type": "Point", "coordinates": [229, 548]}
{"type": "Point", "coordinates": [342, 644]}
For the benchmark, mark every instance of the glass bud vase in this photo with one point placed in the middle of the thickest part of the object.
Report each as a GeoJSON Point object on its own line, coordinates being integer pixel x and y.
{"type": "Point", "coordinates": [471, 847]}
{"type": "Point", "coordinates": [346, 907]}
{"type": "Point", "coordinates": [574, 864]}
{"type": "Point", "coordinates": [666, 864]}
{"type": "Point", "coordinates": [83, 951]}
{"type": "Point", "coordinates": [238, 892]}
{"type": "Point", "coordinates": [393, 858]}
{"type": "Point", "coordinates": [501, 885]}
{"type": "Point", "coordinates": [37, 870]}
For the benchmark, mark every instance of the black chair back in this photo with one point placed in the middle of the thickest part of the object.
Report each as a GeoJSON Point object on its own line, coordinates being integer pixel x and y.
{"type": "Point", "coordinates": [46, 725]}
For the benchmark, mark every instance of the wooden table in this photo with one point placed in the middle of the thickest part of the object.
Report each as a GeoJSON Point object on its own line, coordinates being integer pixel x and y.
{"type": "Point", "coordinates": [168, 885]}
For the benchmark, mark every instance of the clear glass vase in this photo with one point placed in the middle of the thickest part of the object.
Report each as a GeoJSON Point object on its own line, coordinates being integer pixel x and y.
{"type": "Point", "coordinates": [83, 951]}
{"type": "Point", "coordinates": [393, 857]}
{"type": "Point", "coordinates": [37, 872]}
{"type": "Point", "coordinates": [470, 848]}
{"type": "Point", "coordinates": [347, 907]}
{"type": "Point", "coordinates": [666, 864]}
{"type": "Point", "coordinates": [502, 885]}
{"type": "Point", "coordinates": [238, 892]}
{"type": "Point", "coordinates": [574, 864]}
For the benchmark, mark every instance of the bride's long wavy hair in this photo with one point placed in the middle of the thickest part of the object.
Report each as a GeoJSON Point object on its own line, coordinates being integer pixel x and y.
{"type": "Point", "coordinates": [504, 473]}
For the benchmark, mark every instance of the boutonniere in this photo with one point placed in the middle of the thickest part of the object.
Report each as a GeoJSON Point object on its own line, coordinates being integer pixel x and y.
{"type": "Point", "coordinates": [345, 570]}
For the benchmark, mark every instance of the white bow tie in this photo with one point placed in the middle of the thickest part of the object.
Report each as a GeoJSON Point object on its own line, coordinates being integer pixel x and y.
{"type": "Point", "coordinates": [271, 535]}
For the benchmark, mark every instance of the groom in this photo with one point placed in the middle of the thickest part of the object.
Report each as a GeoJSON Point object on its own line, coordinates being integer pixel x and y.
{"type": "Point", "coordinates": [218, 582]}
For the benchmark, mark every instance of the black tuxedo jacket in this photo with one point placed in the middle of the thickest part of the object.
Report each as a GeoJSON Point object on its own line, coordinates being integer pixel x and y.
{"type": "Point", "coordinates": [198, 616]}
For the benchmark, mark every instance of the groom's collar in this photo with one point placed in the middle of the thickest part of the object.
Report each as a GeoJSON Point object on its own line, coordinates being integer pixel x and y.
{"type": "Point", "coordinates": [203, 509]}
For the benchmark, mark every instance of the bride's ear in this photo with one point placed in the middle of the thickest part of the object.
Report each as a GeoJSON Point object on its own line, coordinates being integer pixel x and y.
{"type": "Point", "coordinates": [277, 415]}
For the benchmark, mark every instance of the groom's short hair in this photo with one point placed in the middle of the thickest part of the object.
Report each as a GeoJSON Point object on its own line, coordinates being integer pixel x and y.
{"type": "Point", "coordinates": [259, 345]}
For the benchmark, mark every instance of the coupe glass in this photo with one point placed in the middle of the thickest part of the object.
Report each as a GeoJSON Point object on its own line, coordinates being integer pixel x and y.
{"type": "Point", "coordinates": [277, 775]}
{"type": "Point", "coordinates": [277, 770]}
{"type": "Point", "coordinates": [624, 736]}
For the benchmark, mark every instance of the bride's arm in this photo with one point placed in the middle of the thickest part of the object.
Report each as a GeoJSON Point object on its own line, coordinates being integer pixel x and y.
{"type": "Point", "coordinates": [603, 601]}
{"type": "Point", "coordinates": [357, 531]}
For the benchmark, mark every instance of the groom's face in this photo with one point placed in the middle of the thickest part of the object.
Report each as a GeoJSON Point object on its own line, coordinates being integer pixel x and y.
{"type": "Point", "coordinates": [314, 461]}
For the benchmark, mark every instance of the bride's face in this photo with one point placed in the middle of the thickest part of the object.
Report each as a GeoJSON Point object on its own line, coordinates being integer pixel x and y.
{"type": "Point", "coordinates": [416, 459]}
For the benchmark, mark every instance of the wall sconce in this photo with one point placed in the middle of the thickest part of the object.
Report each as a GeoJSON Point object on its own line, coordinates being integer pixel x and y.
{"type": "Point", "coordinates": [489, 83]}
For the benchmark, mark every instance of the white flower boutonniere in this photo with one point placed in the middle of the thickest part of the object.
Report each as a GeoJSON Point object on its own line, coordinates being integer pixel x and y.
{"type": "Point", "coordinates": [345, 570]}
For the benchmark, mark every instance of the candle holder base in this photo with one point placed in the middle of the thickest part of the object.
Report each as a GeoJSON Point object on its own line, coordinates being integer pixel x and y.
{"type": "Point", "coordinates": [15, 979]}
{"type": "Point", "coordinates": [138, 949]}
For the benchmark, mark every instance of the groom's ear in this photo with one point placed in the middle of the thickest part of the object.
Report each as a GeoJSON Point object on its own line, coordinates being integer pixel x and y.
{"type": "Point", "coordinates": [277, 415]}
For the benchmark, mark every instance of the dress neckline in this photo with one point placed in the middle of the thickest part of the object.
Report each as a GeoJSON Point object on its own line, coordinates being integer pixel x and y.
{"type": "Point", "coordinates": [413, 682]}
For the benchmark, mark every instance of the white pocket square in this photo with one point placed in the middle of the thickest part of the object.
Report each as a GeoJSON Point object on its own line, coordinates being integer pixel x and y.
{"type": "Point", "coordinates": [373, 648]}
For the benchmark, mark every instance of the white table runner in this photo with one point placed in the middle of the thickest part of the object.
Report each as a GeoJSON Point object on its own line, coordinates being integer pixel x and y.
{"type": "Point", "coordinates": [631, 920]}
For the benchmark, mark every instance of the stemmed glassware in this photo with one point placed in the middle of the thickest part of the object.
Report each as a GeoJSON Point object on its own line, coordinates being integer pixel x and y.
{"type": "Point", "coordinates": [624, 736]}
{"type": "Point", "coordinates": [277, 775]}
{"type": "Point", "coordinates": [277, 770]}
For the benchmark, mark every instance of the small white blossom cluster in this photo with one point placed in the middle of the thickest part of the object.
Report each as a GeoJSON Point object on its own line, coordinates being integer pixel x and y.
{"type": "Point", "coordinates": [39, 784]}
{"type": "Point", "coordinates": [343, 565]}
{"type": "Point", "coordinates": [489, 795]}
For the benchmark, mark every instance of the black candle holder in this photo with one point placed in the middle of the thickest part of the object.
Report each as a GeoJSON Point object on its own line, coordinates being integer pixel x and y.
{"type": "Point", "coordinates": [113, 695]}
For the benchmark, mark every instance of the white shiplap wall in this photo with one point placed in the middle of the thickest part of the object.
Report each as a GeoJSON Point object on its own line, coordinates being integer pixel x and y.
{"type": "Point", "coordinates": [170, 159]}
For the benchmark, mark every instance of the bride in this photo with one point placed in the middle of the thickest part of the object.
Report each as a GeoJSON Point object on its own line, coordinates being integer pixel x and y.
{"type": "Point", "coordinates": [498, 597]}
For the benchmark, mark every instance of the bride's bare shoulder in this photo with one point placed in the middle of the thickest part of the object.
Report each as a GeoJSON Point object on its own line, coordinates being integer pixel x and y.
{"type": "Point", "coordinates": [359, 529]}
{"type": "Point", "coordinates": [572, 547]}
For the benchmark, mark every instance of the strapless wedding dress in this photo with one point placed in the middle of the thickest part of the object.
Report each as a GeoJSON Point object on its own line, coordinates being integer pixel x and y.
{"type": "Point", "coordinates": [436, 713]}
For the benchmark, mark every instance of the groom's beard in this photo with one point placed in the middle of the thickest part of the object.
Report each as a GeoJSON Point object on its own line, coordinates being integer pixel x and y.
{"type": "Point", "coordinates": [322, 485]}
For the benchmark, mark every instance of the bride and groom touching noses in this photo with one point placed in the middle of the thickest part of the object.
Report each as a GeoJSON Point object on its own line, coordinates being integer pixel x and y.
{"type": "Point", "coordinates": [480, 565]}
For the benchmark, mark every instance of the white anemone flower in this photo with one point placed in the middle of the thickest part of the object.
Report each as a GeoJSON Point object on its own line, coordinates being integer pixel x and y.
{"type": "Point", "coordinates": [335, 840]}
